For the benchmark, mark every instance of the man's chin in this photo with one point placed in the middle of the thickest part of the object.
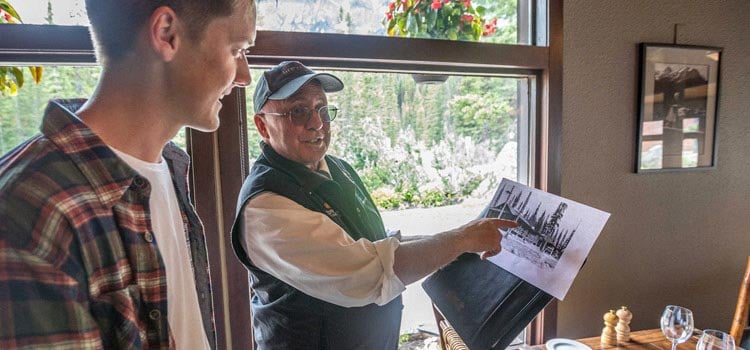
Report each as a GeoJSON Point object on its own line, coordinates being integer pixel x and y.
{"type": "Point", "coordinates": [207, 126]}
{"type": "Point", "coordinates": [317, 148]}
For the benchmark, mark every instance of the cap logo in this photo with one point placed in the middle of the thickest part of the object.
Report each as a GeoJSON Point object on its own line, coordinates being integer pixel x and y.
{"type": "Point", "coordinates": [284, 73]}
{"type": "Point", "coordinates": [289, 69]}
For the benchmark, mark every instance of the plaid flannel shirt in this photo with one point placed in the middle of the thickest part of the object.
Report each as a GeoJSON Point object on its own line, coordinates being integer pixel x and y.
{"type": "Point", "coordinates": [79, 267]}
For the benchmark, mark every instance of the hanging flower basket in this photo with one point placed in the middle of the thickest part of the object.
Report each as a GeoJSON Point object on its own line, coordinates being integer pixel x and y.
{"type": "Point", "coordinates": [438, 19]}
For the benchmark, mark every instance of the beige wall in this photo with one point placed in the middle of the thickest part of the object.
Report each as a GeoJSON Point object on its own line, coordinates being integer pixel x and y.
{"type": "Point", "coordinates": [679, 237]}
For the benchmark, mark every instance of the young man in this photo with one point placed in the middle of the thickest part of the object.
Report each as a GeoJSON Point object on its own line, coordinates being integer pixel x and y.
{"type": "Point", "coordinates": [99, 244]}
{"type": "Point", "coordinates": [324, 272]}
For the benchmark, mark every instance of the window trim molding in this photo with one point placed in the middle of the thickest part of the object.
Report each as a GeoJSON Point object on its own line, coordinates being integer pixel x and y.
{"type": "Point", "coordinates": [218, 174]}
{"type": "Point", "coordinates": [402, 54]}
{"type": "Point", "coordinates": [28, 44]}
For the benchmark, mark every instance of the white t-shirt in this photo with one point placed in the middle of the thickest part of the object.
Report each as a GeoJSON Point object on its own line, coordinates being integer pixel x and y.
{"type": "Point", "coordinates": [309, 251]}
{"type": "Point", "coordinates": [185, 319]}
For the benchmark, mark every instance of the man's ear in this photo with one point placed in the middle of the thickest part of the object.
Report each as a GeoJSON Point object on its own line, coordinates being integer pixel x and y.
{"type": "Point", "coordinates": [164, 32]}
{"type": "Point", "coordinates": [260, 124]}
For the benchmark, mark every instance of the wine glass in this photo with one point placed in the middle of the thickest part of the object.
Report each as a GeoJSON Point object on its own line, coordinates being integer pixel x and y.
{"type": "Point", "coordinates": [677, 324]}
{"type": "Point", "coordinates": [712, 339]}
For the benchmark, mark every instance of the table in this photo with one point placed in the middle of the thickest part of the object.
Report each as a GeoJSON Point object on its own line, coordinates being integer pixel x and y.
{"type": "Point", "coordinates": [649, 339]}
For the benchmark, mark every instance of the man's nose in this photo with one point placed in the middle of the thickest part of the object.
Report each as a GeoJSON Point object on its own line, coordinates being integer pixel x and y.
{"type": "Point", "coordinates": [316, 121]}
{"type": "Point", "coordinates": [242, 77]}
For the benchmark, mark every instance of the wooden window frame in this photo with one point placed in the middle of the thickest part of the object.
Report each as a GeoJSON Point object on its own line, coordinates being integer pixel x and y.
{"type": "Point", "coordinates": [220, 159]}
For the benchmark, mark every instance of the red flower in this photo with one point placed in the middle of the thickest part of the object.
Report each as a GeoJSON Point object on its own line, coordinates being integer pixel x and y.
{"type": "Point", "coordinates": [389, 15]}
{"type": "Point", "coordinates": [436, 5]}
{"type": "Point", "coordinates": [467, 3]}
{"type": "Point", "coordinates": [467, 18]}
{"type": "Point", "coordinates": [490, 28]}
{"type": "Point", "coordinates": [392, 6]}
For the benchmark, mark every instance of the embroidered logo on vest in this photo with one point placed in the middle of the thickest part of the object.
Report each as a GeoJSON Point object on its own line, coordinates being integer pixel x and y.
{"type": "Point", "coordinates": [329, 211]}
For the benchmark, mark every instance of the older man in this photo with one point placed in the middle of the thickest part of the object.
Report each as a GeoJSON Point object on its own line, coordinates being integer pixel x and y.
{"type": "Point", "coordinates": [324, 271]}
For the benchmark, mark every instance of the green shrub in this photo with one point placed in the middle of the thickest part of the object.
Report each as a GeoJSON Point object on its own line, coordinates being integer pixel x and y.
{"type": "Point", "coordinates": [386, 198]}
{"type": "Point", "coordinates": [436, 198]}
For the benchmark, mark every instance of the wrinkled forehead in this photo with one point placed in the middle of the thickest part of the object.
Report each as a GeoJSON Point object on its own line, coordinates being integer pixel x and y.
{"type": "Point", "coordinates": [312, 91]}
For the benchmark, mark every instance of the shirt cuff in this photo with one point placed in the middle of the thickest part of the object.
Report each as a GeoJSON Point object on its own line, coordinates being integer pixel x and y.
{"type": "Point", "coordinates": [392, 285]}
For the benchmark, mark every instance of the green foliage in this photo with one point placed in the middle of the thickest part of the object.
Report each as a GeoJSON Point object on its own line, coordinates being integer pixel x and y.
{"type": "Point", "coordinates": [438, 19]}
{"type": "Point", "coordinates": [437, 198]}
{"type": "Point", "coordinates": [419, 145]}
{"type": "Point", "coordinates": [505, 11]}
{"type": "Point", "coordinates": [386, 198]}
{"type": "Point", "coordinates": [413, 145]}
{"type": "Point", "coordinates": [7, 13]}
{"type": "Point", "coordinates": [404, 338]}
{"type": "Point", "coordinates": [11, 78]}
{"type": "Point", "coordinates": [481, 108]}
{"type": "Point", "coordinates": [21, 116]}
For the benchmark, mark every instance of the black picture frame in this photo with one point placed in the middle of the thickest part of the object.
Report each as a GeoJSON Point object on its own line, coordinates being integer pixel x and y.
{"type": "Point", "coordinates": [678, 107]}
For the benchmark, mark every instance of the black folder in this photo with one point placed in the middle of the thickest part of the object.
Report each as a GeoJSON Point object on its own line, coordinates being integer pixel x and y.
{"type": "Point", "coordinates": [485, 304]}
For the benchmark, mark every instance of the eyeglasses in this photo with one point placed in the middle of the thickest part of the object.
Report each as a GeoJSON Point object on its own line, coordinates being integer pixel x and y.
{"type": "Point", "coordinates": [301, 115]}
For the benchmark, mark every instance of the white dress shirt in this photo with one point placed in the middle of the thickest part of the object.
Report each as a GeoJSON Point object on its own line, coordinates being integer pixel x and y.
{"type": "Point", "coordinates": [310, 252]}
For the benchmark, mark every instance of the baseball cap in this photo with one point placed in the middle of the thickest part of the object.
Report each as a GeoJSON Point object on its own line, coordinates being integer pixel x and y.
{"type": "Point", "coordinates": [283, 81]}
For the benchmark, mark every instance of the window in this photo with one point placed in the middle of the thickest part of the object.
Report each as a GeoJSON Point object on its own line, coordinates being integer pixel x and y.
{"type": "Point", "coordinates": [477, 124]}
{"type": "Point", "coordinates": [221, 159]}
{"type": "Point", "coordinates": [372, 17]}
{"type": "Point", "coordinates": [431, 155]}
{"type": "Point", "coordinates": [21, 115]}
{"type": "Point", "coordinates": [383, 107]}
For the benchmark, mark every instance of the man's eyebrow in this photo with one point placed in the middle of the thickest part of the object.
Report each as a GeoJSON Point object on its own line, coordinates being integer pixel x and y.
{"type": "Point", "coordinates": [238, 38]}
{"type": "Point", "coordinates": [299, 98]}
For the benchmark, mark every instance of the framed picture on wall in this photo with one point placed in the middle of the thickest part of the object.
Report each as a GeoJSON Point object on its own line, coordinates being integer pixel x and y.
{"type": "Point", "coordinates": [678, 107]}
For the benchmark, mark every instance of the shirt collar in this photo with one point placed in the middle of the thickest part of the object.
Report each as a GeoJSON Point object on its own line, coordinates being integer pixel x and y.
{"type": "Point", "coordinates": [323, 168]}
{"type": "Point", "coordinates": [107, 174]}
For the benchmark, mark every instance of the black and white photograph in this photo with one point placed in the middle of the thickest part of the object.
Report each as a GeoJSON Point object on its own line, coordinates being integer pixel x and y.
{"type": "Point", "coordinates": [677, 124]}
{"type": "Point", "coordinates": [553, 237]}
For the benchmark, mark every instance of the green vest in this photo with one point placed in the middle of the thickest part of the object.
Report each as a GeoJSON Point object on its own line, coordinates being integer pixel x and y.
{"type": "Point", "coordinates": [286, 318]}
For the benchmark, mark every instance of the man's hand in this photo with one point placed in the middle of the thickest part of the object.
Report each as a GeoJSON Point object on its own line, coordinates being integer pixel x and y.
{"type": "Point", "coordinates": [484, 236]}
{"type": "Point", "coordinates": [418, 258]}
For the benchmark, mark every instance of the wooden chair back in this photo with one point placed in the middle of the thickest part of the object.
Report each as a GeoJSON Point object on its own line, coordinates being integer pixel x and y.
{"type": "Point", "coordinates": [740, 321]}
{"type": "Point", "coordinates": [449, 339]}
